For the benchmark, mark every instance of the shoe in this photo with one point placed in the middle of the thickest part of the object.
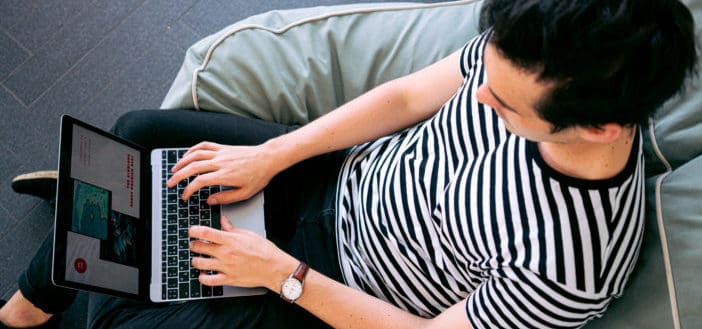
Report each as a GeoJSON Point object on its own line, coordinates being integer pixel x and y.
{"type": "Point", "coordinates": [39, 183]}
{"type": "Point", "coordinates": [53, 323]}
{"type": "Point", "coordinates": [2, 303]}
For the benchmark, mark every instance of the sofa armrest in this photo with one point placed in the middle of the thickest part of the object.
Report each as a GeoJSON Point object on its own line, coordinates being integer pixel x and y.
{"type": "Point", "coordinates": [292, 66]}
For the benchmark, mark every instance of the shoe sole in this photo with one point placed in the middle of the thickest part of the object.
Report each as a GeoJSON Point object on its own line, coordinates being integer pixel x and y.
{"type": "Point", "coordinates": [45, 174]}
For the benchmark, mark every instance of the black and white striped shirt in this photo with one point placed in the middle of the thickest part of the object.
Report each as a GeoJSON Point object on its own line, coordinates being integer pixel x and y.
{"type": "Point", "coordinates": [458, 208]}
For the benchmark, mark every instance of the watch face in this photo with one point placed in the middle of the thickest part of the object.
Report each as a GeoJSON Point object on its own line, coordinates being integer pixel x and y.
{"type": "Point", "coordinates": [292, 289]}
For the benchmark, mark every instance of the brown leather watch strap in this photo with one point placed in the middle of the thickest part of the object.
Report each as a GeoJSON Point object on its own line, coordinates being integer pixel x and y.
{"type": "Point", "coordinates": [301, 272]}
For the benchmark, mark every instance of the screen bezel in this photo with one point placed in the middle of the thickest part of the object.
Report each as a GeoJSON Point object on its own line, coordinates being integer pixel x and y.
{"type": "Point", "coordinates": [64, 212]}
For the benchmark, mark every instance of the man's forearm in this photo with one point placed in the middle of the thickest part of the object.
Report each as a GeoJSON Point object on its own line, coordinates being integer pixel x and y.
{"type": "Point", "coordinates": [377, 113]}
{"type": "Point", "coordinates": [386, 109]}
{"type": "Point", "coordinates": [343, 307]}
{"type": "Point", "coordinates": [338, 305]}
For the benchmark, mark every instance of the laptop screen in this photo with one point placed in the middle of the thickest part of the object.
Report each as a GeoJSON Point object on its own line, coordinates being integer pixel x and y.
{"type": "Point", "coordinates": [99, 219]}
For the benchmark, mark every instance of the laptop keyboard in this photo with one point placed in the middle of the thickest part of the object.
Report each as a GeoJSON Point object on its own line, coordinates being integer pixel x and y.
{"type": "Point", "coordinates": [179, 277]}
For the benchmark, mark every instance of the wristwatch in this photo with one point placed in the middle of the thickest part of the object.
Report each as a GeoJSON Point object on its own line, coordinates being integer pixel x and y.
{"type": "Point", "coordinates": [291, 289]}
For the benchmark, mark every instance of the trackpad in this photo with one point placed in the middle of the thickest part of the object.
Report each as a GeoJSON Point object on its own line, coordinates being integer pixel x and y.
{"type": "Point", "coordinates": [247, 214]}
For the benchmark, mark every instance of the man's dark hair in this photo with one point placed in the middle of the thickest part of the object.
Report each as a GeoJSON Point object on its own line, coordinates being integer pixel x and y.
{"type": "Point", "coordinates": [612, 60]}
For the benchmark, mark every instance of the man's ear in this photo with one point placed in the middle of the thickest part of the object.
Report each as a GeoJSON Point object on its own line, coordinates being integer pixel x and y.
{"type": "Point", "coordinates": [605, 134]}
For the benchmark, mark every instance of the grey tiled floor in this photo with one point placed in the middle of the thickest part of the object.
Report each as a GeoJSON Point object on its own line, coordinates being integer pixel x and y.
{"type": "Point", "coordinates": [94, 59]}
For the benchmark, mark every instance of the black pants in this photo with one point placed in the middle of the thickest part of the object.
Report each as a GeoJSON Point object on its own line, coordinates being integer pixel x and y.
{"type": "Point", "coordinates": [300, 218]}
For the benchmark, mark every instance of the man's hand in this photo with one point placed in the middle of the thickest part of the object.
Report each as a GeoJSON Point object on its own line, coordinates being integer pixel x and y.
{"type": "Point", "coordinates": [239, 257]}
{"type": "Point", "coordinates": [247, 169]}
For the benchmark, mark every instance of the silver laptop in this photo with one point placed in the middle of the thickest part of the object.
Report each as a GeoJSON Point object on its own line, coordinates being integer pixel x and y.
{"type": "Point", "coordinates": [119, 230]}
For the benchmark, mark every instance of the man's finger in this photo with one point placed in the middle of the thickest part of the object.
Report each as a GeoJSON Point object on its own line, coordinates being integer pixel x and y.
{"type": "Point", "coordinates": [226, 224]}
{"type": "Point", "coordinates": [207, 234]}
{"type": "Point", "coordinates": [198, 155]}
{"type": "Point", "coordinates": [203, 146]}
{"type": "Point", "coordinates": [216, 279]}
{"type": "Point", "coordinates": [202, 247]}
{"type": "Point", "coordinates": [195, 168]}
{"type": "Point", "coordinates": [208, 179]}
{"type": "Point", "coordinates": [228, 196]}
{"type": "Point", "coordinates": [205, 264]}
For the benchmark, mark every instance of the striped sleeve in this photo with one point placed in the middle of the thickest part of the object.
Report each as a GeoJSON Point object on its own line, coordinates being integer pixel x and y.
{"type": "Point", "coordinates": [523, 299]}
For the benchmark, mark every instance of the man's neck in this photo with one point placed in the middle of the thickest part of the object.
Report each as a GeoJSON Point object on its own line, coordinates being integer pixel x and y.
{"type": "Point", "coordinates": [591, 161]}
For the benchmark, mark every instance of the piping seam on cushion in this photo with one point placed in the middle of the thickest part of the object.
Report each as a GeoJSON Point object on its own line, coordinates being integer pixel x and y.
{"type": "Point", "coordinates": [285, 28]}
{"type": "Point", "coordinates": [661, 227]}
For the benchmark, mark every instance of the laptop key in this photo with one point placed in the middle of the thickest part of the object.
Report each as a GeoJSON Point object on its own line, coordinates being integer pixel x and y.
{"type": "Point", "coordinates": [194, 288]}
{"type": "Point", "coordinates": [172, 283]}
{"type": "Point", "coordinates": [215, 213]}
{"type": "Point", "coordinates": [216, 224]}
{"type": "Point", "coordinates": [184, 290]}
{"type": "Point", "coordinates": [217, 291]}
{"type": "Point", "coordinates": [206, 291]}
{"type": "Point", "coordinates": [184, 276]}
{"type": "Point", "coordinates": [182, 203]}
{"type": "Point", "coordinates": [172, 156]}
{"type": "Point", "coordinates": [204, 194]}
{"type": "Point", "coordinates": [172, 293]}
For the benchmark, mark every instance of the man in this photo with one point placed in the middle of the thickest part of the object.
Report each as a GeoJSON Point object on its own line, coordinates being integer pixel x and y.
{"type": "Point", "coordinates": [501, 187]}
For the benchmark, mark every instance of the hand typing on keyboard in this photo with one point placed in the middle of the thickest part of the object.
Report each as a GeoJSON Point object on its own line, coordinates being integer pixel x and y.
{"type": "Point", "coordinates": [247, 169]}
{"type": "Point", "coordinates": [238, 257]}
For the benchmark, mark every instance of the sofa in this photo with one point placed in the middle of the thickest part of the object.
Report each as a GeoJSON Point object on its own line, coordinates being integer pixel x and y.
{"type": "Point", "coordinates": [292, 66]}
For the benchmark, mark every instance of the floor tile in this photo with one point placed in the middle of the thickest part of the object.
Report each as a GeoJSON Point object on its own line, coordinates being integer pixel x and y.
{"type": "Point", "coordinates": [12, 54]}
{"type": "Point", "coordinates": [34, 23]}
{"type": "Point", "coordinates": [22, 242]}
{"type": "Point", "coordinates": [58, 55]}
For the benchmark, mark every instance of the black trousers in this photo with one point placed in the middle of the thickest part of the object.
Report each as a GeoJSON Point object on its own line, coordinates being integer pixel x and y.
{"type": "Point", "coordinates": [300, 219]}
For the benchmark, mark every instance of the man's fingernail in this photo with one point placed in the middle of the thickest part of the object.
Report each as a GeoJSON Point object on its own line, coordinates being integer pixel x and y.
{"type": "Point", "coordinates": [213, 201]}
